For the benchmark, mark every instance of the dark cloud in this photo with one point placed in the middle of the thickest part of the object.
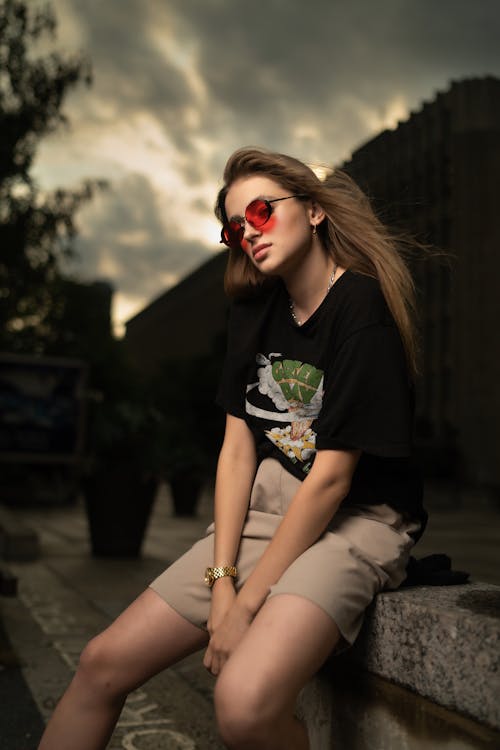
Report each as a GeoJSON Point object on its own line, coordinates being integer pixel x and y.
{"type": "Point", "coordinates": [270, 66]}
{"type": "Point", "coordinates": [130, 73]}
{"type": "Point", "coordinates": [128, 67]}
{"type": "Point", "coordinates": [267, 66]}
{"type": "Point", "coordinates": [125, 241]}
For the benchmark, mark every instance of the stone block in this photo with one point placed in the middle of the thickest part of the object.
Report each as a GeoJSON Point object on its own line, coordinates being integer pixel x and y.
{"type": "Point", "coordinates": [442, 642]}
{"type": "Point", "coordinates": [17, 541]}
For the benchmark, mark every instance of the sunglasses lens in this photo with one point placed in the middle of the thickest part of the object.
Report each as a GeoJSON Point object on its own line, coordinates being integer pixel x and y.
{"type": "Point", "coordinates": [232, 234]}
{"type": "Point", "coordinates": [258, 212]}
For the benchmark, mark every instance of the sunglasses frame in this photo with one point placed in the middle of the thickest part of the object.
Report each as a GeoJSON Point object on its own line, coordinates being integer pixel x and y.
{"type": "Point", "coordinates": [237, 234]}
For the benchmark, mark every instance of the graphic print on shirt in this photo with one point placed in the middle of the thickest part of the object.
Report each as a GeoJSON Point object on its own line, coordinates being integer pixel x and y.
{"type": "Point", "coordinates": [295, 389]}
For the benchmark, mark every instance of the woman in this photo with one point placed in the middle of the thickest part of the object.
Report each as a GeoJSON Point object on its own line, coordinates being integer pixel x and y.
{"type": "Point", "coordinates": [317, 501]}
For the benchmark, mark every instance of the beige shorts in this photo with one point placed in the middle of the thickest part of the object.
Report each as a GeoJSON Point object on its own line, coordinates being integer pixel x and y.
{"type": "Point", "coordinates": [364, 550]}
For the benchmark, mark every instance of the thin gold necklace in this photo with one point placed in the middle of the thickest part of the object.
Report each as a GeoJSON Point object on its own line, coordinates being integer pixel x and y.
{"type": "Point", "coordinates": [292, 306]}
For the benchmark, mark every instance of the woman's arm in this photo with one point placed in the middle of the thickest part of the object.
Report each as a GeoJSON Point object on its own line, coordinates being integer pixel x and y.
{"type": "Point", "coordinates": [235, 474]}
{"type": "Point", "coordinates": [310, 511]}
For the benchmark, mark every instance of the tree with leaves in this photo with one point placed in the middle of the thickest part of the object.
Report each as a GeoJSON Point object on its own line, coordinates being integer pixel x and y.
{"type": "Point", "coordinates": [36, 226]}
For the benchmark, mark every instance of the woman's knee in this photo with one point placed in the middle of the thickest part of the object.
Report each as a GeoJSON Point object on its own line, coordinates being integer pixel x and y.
{"type": "Point", "coordinates": [244, 709]}
{"type": "Point", "coordinates": [101, 668]}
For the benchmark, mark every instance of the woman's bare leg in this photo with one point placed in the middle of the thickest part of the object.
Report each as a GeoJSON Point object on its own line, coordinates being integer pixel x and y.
{"type": "Point", "coordinates": [146, 638]}
{"type": "Point", "coordinates": [255, 695]}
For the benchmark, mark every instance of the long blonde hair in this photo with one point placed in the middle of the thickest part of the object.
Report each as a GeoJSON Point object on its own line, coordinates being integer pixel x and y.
{"type": "Point", "coordinates": [350, 232]}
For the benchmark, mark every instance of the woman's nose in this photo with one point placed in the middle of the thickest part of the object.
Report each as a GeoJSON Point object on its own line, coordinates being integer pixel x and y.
{"type": "Point", "coordinates": [249, 231]}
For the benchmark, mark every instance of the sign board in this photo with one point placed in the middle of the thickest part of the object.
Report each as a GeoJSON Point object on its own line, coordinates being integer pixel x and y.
{"type": "Point", "coordinates": [42, 401]}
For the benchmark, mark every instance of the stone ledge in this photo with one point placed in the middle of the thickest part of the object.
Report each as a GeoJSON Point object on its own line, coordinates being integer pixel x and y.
{"type": "Point", "coordinates": [17, 541]}
{"type": "Point", "coordinates": [442, 642]}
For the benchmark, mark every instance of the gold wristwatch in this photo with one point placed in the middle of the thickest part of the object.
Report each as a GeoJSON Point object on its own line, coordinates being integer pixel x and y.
{"type": "Point", "coordinates": [211, 574]}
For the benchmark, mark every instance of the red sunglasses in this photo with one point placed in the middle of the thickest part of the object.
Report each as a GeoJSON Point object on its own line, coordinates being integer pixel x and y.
{"type": "Point", "coordinates": [257, 213]}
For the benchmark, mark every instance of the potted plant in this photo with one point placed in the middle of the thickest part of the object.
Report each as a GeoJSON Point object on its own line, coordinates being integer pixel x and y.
{"type": "Point", "coordinates": [184, 466]}
{"type": "Point", "coordinates": [192, 428]}
{"type": "Point", "coordinates": [122, 474]}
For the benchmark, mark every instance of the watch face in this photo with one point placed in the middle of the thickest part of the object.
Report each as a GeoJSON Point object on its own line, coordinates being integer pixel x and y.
{"type": "Point", "coordinates": [209, 577]}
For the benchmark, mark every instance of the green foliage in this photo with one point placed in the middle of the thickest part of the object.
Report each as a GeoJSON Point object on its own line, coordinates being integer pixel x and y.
{"type": "Point", "coordinates": [183, 392]}
{"type": "Point", "coordinates": [124, 426]}
{"type": "Point", "coordinates": [166, 425]}
{"type": "Point", "coordinates": [125, 433]}
{"type": "Point", "coordinates": [36, 227]}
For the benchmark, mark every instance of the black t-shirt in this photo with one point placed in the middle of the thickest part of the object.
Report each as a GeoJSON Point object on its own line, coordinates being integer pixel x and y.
{"type": "Point", "coordinates": [339, 381]}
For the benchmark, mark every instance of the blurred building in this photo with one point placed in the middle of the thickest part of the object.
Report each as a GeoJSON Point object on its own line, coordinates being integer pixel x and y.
{"type": "Point", "coordinates": [188, 320]}
{"type": "Point", "coordinates": [85, 328]}
{"type": "Point", "coordinates": [437, 175]}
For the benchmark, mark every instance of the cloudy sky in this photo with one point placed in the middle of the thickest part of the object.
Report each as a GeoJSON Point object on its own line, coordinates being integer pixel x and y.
{"type": "Point", "coordinates": [179, 84]}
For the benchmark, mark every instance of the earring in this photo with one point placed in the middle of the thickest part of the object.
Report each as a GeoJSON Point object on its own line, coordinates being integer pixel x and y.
{"type": "Point", "coordinates": [314, 229]}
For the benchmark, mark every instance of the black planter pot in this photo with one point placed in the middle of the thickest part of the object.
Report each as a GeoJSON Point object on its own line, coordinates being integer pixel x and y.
{"type": "Point", "coordinates": [118, 504]}
{"type": "Point", "coordinates": [186, 488]}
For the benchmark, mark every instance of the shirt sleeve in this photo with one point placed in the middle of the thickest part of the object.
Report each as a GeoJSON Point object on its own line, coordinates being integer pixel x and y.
{"type": "Point", "coordinates": [367, 401]}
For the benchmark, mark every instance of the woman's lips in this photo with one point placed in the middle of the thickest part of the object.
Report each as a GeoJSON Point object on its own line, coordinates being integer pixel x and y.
{"type": "Point", "coordinates": [258, 251]}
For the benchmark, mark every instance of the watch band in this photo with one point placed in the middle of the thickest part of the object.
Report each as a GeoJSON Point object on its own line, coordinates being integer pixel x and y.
{"type": "Point", "coordinates": [211, 574]}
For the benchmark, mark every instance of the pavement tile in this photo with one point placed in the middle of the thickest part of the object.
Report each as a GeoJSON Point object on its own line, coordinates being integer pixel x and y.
{"type": "Point", "coordinates": [66, 597]}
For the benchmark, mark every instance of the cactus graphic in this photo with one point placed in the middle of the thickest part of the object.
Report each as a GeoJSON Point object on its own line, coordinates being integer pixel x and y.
{"type": "Point", "coordinates": [298, 381]}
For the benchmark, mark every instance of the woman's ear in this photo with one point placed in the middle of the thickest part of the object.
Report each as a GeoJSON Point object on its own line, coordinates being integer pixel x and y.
{"type": "Point", "coordinates": [316, 214]}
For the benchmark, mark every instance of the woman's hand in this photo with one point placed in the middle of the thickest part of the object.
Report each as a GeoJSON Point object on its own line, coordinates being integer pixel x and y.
{"type": "Point", "coordinates": [223, 596]}
{"type": "Point", "coordinates": [225, 637]}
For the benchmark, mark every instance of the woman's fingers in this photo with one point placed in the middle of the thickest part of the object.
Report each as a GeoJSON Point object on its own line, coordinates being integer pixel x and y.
{"type": "Point", "coordinates": [224, 638]}
{"type": "Point", "coordinates": [216, 666]}
{"type": "Point", "coordinates": [207, 658]}
{"type": "Point", "coordinates": [214, 659]}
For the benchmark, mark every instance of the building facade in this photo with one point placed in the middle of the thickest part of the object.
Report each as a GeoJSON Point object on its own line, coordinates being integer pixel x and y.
{"type": "Point", "coordinates": [437, 176]}
{"type": "Point", "coordinates": [187, 321]}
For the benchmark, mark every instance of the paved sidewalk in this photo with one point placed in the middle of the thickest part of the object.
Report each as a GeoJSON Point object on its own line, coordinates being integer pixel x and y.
{"type": "Point", "coordinates": [66, 596]}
